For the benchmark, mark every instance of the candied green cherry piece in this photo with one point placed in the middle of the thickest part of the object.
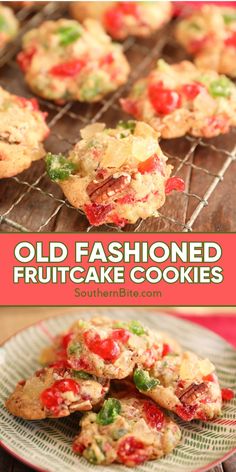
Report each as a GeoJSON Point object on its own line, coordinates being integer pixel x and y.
{"type": "Point", "coordinates": [74, 348]}
{"type": "Point", "coordinates": [229, 18]}
{"type": "Point", "coordinates": [143, 381]}
{"type": "Point", "coordinates": [3, 24]}
{"type": "Point", "coordinates": [119, 433]}
{"type": "Point", "coordinates": [80, 374]}
{"type": "Point", "coordinates": [136, 328]}
{"type": "Point", "coordinates": [90, 455]}
{"type": "Point", "coordinates": [221, 87]}
{"type": "Point", "coordinates": [93, 87]}
{"type": "Point", "coordinates": [194, 26]}
{"type": "Point", "coordinates": [69, 34]}
{"type": "Point", "coordinates": [109, 412]}
{"type": "Point", "coordinates": [127, 125]}
{"type": "Point", "coordinates": [58, 166]}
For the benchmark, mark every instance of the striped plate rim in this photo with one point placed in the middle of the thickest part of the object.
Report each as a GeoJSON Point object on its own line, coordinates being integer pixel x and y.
{"type": "Point", "coordinates": [186, 332]}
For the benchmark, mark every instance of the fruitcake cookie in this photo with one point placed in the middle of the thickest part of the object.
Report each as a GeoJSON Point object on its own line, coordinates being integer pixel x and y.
{"type": "Point", "coordinates": [179, 99]}
{"type": "Point", "coordinates": [22, 131]}
{"type": "Point", "coordinates": [129, 431]}
{"type": "Point", "coordinates": [113, 351]}
{"type": "Point", "coordinates": [57, 350]}
{"type": "Point", "coordinates": [9, 25]}
{"type": "Point", "coordinates": [115, 175]}
{"type": "Point", "coordinates": [56, 392]}
{"type": "Point", "coordinates": [122, 19]}
{"type": "Point", "coordinates": [183, 384]}
{"type": "Point", "coordinates": [63, 61]}
{"type": "Point", "coordinates": [209, 34]}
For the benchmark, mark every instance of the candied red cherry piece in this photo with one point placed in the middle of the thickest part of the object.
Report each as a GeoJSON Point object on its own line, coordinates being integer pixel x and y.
{"type": "Point", "coordinates": [129, 8]}
{"type": "Point", "coordinates": [24, 58]}
{"type": "Point", "coordinates": [186, 412]}
{"type": "Point", "coordinates": [163, 100]}
{"type": "Point", "coordinates": [80, 363]}
{"type": "Point", "coordinates": [217, 123]}
{"type": "Point", "coordinates": [61, 364]}
{"type": "Point", "coordinates": [154, 416]}
{"type": "Point", "coordinates": [209, 378]}
{"type": "Point", "coordinates": [166, 350]}
{"type": "Point", "coordinates": [131, 451]}
{"type": "Point", "coordinates": [174, 183]}
{"type": "Point", "coordinates": [191, 91]}
{"type": "Point", "coordinates": [121, 335]}
{"type": "Point", "coordinates": [68, 69]}
{"type": "Point", "coordinates": [113, 20]}
{"type": "Point", "coordinates": [227, 394]}
{"type": "Point", "coordinates": [231, 40]}
{"type": "Point", "coordinates": [35, 104]}
{"type": "Point", "coordinates": [152, 164]}
{"type": "Point", "coordinates": [66, 339]}
{"type": "Point", "coordinates": [26, 102]}
{"type": "Point", "coordinates": [66, 385]}
{"type": "Point", "coordinates": [196, 45]}
{"type": "Point", "coordinates": [130, 106]}
{"type": "Point", "coordinates": [22, 383]}
{"type": "Point", "coordinates": [51, 398]}
{"type": "Point", "coordinates": [107, 348]}
{"type": "Point", "coordinates": [151, 356]}
{"type": "Point", "coordinates": [107, 59]}
{"type": "Point", "coordinates": [78, 448]}
{"type": "Point", "coordinates": [96, 213]}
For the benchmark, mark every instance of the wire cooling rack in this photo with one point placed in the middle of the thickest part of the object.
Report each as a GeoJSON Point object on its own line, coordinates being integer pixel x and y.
{"type": "Point", "coordinates": [29, 202]}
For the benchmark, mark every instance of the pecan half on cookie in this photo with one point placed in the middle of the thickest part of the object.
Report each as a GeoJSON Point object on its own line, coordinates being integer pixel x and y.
{"type": "Point", "coordinates": [182, 383]}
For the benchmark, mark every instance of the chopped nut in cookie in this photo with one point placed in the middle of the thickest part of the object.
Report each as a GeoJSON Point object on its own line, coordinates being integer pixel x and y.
{"type": "Point", "coordinates": [55, 392]}
{"type": "Point", "coordinates": [182, 383]}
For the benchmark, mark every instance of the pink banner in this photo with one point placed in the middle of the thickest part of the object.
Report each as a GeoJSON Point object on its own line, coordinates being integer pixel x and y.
{"type": "Point", "coordinates": [118, 269]}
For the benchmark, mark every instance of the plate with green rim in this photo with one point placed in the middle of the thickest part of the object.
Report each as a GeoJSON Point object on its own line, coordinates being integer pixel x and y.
{"type": "Point", "coordinates": [46, 445]}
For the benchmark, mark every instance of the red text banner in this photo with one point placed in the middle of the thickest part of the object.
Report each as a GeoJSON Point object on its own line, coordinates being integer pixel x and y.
{"type": "Point", "coordinates": [117, 269]}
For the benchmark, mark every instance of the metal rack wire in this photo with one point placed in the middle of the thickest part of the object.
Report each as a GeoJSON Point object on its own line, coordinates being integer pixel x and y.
{"type": "Point", "coordinates": [35, 184]}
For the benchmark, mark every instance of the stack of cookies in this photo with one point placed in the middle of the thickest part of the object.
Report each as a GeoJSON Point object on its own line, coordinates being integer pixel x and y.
{"type": "Point", "coordinates": [126, 378]}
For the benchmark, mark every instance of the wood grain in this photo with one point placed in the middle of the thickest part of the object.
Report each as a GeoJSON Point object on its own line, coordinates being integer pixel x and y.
{"type": "Point", "coordinates": [35, 203]}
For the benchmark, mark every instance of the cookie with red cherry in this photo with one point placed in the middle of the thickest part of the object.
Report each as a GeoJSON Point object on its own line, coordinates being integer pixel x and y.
{"type": "Point", "coordinates": [64, 61]}
{"type": "Point", "coordinates": [130, 430]}
{"type": "Point", "coordinates": [123, 19]}
{"type": "Point", "coordinates": [56, 352]}
{"type": "Point", "coordinates": [56, 392]}
{"type": "Point", "coordinates": [113, 351]}
{"type": "Point", "coordinates": [184, 384]}
{"type": "Point", "coordinates": [209, 35]}
{"type": "Point", "coordinates": [115, 175]}
{"type": "Point", "coordinates": [182, 99]}
{"type": "Point", "coordinates": [22, 131]}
